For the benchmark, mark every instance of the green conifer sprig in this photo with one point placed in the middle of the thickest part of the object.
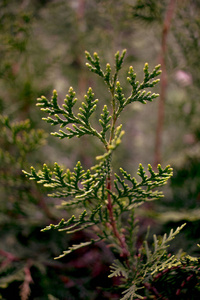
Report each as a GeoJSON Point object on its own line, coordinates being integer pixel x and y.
{"type": "Point", "coordinates": [102, 198]}
{"type": "Point", "coordinates": [80, 123]}
{"type": "Point", "coordinates": [57, 179]}
{"type": "Point", "coordinates": [80, 185]}
{"type": "Point", "coordinates": [147, 263]}
{"type": "Point", "coordinates": [64, 115]}
{"type": "Point", "coordinates": [138, 92]}
{"type": "Point", "coordinates": [79, 246]}
{"type": "Point", "coordinates": [95, 67]}
{"type": "Point", "coordinates": [91, 189]}
{"type": "Point", "coordinates": [76, 224]}
{"type": "Point", "coordinates": [138, 192]}
{"type": "Point", "coordinates": [104, 121]}
{"type": "Point", "coordinates": [154, 260]}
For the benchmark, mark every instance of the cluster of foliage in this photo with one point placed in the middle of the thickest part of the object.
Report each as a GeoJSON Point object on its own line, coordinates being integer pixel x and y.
{"type": "Point", "coordinates": [20, 262]}
{"type": "Point", "coordinates": [104, 201]}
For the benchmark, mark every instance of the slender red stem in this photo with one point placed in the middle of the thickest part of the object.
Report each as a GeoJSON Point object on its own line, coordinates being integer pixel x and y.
{"type": "Point", "coordinates": [120, 237]}
{"type": "Point", "coordinates": [9, 255]}
{"type": "Point", "coordinates": [163, 81]}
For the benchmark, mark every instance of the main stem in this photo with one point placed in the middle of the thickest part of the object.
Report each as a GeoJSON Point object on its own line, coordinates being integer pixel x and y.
{"type": "Point", "coordinates": [120, 237]}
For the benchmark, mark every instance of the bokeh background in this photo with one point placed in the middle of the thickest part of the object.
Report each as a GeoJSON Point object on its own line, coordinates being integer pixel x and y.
{"type": "Point", "coordinates": [42, 46]}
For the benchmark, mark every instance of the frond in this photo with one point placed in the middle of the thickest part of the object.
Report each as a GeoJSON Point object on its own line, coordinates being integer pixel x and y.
{"type": "Point", "coordinates": [130, 293]}
{"type": "Point", "coordinates": [104, 121]}
{"type": "Point", "coordinates": [138, 192]}
{"type": "Point", "coordinates": [138, 93]}
{"type": "Point", "coordinates": [118, 269]}
{"type": "Point", "coordinates": [158, 259]}
{"type": "Point", "coordinates": [64, 115]}
{"type": "Point", "coordinates": [76, 224]}
{"type": "Point", "coordinates": [77, 247]}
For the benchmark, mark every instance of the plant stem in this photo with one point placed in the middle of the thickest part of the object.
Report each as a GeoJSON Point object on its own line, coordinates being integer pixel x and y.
{"type": "Point", "coordinates": [113, 114]}
{"type": "Point", "coordinates": [120, 237]}
{"type": "Point", "coordinates": [124, 253]}
{"type": "Point", "coordinates": [161, 106]}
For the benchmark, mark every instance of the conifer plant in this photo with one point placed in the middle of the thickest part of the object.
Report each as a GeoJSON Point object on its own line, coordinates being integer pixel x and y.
{"type": "Point", "coordinates": [102, 196]}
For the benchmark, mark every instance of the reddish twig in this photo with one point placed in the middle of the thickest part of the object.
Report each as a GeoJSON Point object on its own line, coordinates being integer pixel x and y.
{"type": "Point", "coordinates": [163, 81]}
{"type": "Point", "coordinates": [120, 237]}
{"type": "Point", "coordinates": [25, 286]}
{"type": "Point", "coordinates": [8, 255]}
{"type": "Point", "coordinates": [9, 258]}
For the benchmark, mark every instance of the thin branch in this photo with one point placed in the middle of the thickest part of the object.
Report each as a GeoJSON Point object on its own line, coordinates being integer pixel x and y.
{"type": "Point", "coordinates": [25, 289]}
{"type": "Point", "coordinates": [163, 82]}
{"type": "Point", "coordinates": [125, 253]}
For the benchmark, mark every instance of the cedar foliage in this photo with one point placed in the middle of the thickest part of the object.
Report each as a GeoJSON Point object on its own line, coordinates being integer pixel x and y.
{"type": "Point", "coordinates": [102, 199]}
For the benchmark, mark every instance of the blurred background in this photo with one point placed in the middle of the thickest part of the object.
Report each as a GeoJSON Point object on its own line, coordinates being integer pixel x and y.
{"type": "Point", "coordinates": [42, 46]}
